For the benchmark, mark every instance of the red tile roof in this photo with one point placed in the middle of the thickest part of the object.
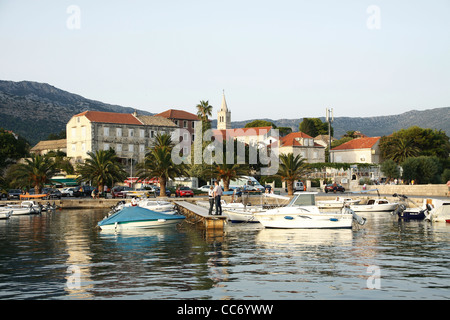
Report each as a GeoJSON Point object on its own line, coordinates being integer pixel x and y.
{"type": "Point", "coordinates": [109, 117]}
{"type": "Point", "coordinates": [290, 139]}
{"type": "Point", "coordinates": [359, 143]}
{"type": "Point", "coordinates": [241, 132]}
{"type": "Point", "coordinates": [178, 114]}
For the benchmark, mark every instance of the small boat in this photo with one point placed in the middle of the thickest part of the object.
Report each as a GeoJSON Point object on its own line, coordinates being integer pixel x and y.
{"type": "Point", "coordinates": [26, 207]}
{"type": "Point", "coordinates": [137, 217]}
{"type": "Point", "coordinates": [404, 211]}
{"type": "Point", "coordinates": [375, 205]}
{"type": "Point", "coordinates": [5, 214]}
{"type": "Point", "coordinates": [440, 212]}
{"type": "Point", "coordinates": [303, 213]}
{"type": "Point", "coordinates": [156, 205]}
{"type": "Point", "coordinates": [339, 202]}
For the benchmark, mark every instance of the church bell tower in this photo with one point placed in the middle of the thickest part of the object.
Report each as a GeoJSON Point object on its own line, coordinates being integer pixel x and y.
{"type": "Point", "coordinates": [224, 116]}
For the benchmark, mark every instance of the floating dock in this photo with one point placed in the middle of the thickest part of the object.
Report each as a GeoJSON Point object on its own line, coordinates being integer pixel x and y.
{"type": "Point", "coordinates": [199, 215]}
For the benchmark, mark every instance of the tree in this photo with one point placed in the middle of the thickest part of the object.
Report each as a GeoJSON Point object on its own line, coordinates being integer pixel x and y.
{"type": "Point", "coordinates": [229, 171]}
{"type": "Point", "coordinates": [204, 110]}
{"type": "Point", "coordinates": [422, 169]}
{"type": "Point", "coordinates": [35, 172]}
{"type": "Point", "coordinates": [158, 163]}
{"type": "Point", "coordinates": [291, 168]}
{"type": "Point", "coordinates": [11, 148]}
{"type": "Point", "coordinates": [402, 148]}
{"type": "Point", "coordinates": [314, 127]}
{"type": "Point", "coordinates": [260, 123]}
{"type": "Point", "coordinates": [101, 168]}
{"type": "Point", "coordinates": [390, 169]}
{"type": "Point", "coordinates": [414, 141]}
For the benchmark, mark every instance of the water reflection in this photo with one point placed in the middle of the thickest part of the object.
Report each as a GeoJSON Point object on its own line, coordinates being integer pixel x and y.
{"type": "Point", "coordinates": [244, 262]}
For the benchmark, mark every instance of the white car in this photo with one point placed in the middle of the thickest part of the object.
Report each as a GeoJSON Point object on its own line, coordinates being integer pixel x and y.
{"type": "Point", "coordinates": [204, 188]}
{"type": "Point", "coordinates": [67, 192]}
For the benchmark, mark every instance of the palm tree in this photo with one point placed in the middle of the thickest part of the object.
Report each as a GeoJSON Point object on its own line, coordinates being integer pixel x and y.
{"type": "Point", "coordinates": [204, 110]}
{"type": "Point", "coordinates": [228, 172]}
{"type": "Point", "coordinates": [35, 172]}
{"type": "Point", "coordinates": [402, 148]}
{"type": "Point", "coordinates": [158, 163]}
{"type": "Point", "coordinates": [291, 168]}
{"type": "Point", "coordinates": [101, 168]}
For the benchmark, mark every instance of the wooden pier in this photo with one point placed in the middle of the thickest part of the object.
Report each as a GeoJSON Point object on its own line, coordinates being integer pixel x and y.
{"type": "Point", "coordinates": [199, 215]}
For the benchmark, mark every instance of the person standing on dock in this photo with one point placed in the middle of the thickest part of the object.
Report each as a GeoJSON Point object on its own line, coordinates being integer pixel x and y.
{"type": "Point", "coordinates": [211, 199]}
{"type": "Point", "coordinates": [218, 198]}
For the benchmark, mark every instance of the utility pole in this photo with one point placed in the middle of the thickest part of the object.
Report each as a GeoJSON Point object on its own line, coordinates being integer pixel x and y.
{"type": "Point", "coordinates": [329, 119]}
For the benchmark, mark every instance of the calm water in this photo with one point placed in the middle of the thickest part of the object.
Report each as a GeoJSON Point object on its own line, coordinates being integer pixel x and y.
{"type": "Point", "coordinates": [385, 259]}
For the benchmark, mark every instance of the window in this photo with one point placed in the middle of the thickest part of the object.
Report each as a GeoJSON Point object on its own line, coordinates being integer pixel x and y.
{"type": "Point", "coordinates": [142, 133]}
{"type": "Point", "coordinates": [106, 146]}
{"type": "Point", "coordinates": [83, 146]}
{"type": "Point", "coordinates": [119, 147]}
{"type": "Point", "coordinates": [185, 136]}
{"type": "Point", "coordinates": [106, 131]}
{"type": "Point", "coordinates": [152, 134]}
{"type": "Point", "coordinates": [74, 147]}
{"type": "Point", "coordinates": [142, 148]}
{"type": "Point", "coordinates": [184, 124]}
{"type": "Point", "coordinates": [131, 132]}
{"type": "Point", "coordinates": [131, 148]}
{"type": "Point", "coordinates": [176, 122]}
{"type": "Point", "coordinates": [83, 131]}
{"type": "Point", "coordinates": [119, 132]}
{"type": "Point", "coordinates": [74, 132]}
{"type": "Point", "coordinates": [193, 124]}
{"type": "Point", "coordinates": [193, 136]}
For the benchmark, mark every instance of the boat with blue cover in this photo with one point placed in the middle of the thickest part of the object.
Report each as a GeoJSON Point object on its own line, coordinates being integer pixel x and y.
{"type": "Point", "coordinates": [137, 217]}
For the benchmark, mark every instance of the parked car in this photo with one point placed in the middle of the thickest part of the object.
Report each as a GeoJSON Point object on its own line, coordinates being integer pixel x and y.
{"type": "Point", "coordinates": [52, 193]}
{"type": "Point", "coordinates": [67, 192]}
{"type": "Point", "coordinates": [157, 191]}
{"type": "Point", "coordinates": [334, 188]}
{"type": "Point", "coordinates": [14, 194]}
{"type": "Point", "coordinates": [184, 192]}
{"type": "Point", "coordinates": [204, 188]}
{"type": "Point", "coordinates": [120, 191]}
{"type": "Point", "coordinates": [83, 191]}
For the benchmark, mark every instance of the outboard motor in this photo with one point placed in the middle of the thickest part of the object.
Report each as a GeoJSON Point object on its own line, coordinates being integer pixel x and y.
{"type": "Point", "coordinates": [360, 220]}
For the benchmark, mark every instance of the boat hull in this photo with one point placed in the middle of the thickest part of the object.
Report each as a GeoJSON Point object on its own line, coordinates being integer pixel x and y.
{"type": "Point", "coordinates": [135, 217]}
{"type": "Point", "coordinates": [240, 217]}
{"type": "Point", "coordinates": [315, 221]}
{"type": "Point", "coordinates": [374, 208]}
{"type": "Point", "coordinates": [150, 224]}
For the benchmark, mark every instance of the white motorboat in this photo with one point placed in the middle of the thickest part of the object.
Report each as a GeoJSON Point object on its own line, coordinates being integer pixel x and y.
{"type": "Point", "coordinates": [156, 205]}
{"type": "Point", "coordinates": [5, 214]}
{"type": "Point", "coordinates": [303, 213]}
{"type": "Point", "coordinates": [439, 211]}
{"type": "Point", "coordinates": [339, 202]}
{"type": "Point", "coordinates": [26, 207]}
{"type": "Point", "coordinates": [135, 217]}
{"type": "Point", "coordinates": [375, 205]}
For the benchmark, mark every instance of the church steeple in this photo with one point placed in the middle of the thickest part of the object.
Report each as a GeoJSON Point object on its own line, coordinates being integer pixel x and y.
{"type": "Point", "coordinates": [224, 115]}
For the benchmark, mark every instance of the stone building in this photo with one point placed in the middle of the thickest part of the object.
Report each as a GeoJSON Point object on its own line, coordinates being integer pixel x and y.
{"type": "Point", "coordinates": [128, 134]}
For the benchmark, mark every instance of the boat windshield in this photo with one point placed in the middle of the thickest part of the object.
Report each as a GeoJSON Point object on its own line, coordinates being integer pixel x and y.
{"type": "Point", "coordinates": [303, 200]}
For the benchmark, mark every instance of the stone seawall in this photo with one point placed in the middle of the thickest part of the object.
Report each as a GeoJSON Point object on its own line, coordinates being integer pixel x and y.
{"type": "Point", "coordinates": [426, 190]}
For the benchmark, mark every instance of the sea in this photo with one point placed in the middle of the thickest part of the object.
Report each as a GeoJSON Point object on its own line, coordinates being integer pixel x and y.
{"type": "Point", "coordinates": [62, 255]}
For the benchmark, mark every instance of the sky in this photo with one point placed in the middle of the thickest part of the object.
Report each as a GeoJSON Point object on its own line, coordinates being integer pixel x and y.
{"type": "Point", "coordinates": [279, 59]}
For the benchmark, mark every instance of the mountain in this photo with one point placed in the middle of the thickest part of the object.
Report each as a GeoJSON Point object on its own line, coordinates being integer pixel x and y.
{"type": "Point", "coordinates": [438, 118]}
{"type": "Point", "coordinates": [34, 110]}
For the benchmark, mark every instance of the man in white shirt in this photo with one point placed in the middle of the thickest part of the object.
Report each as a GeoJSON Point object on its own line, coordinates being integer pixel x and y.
{"type": "Point", "coordinates": [218, 198]}
{"type": "Point", "coordinates": [211, 199]}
